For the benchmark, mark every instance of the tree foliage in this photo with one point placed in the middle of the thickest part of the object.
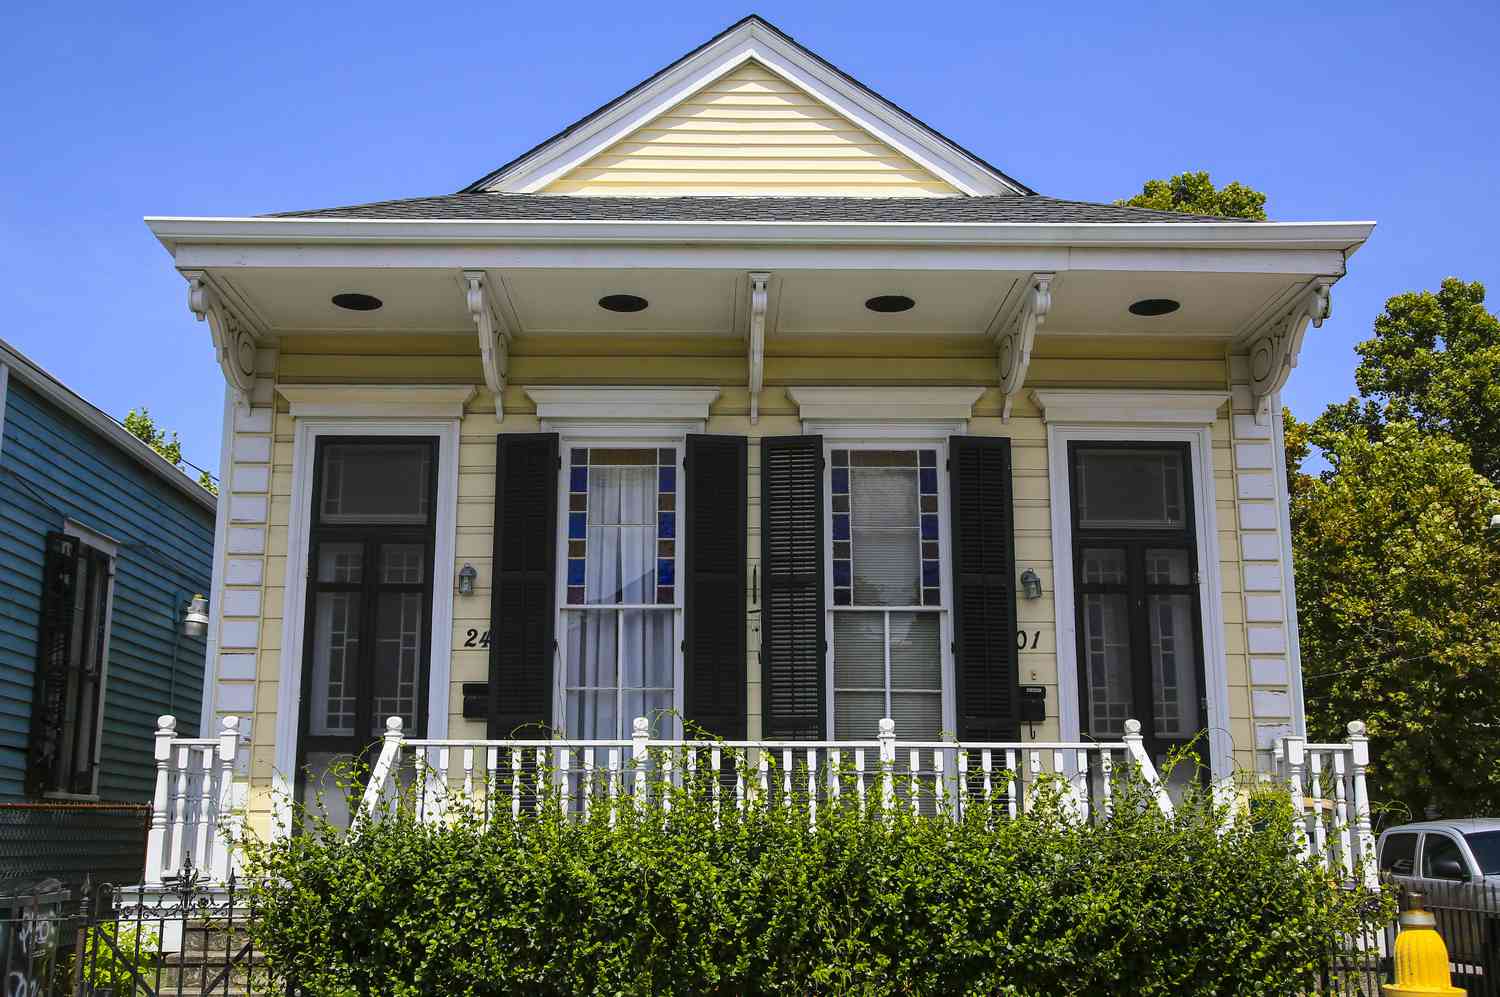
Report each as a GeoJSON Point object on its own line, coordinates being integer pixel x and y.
{"type": "Point", "coordinates": [168, 445]}
{"type": "Point", "coordinates": [709, 899]}
{"type": "Point", "coordinates": [1195, 194]}
{"type": "Point", "coordinates": [1398, 593]}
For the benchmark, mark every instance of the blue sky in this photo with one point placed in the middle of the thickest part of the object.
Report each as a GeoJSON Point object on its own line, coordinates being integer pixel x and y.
{"type": "Point", "coordinates": [115, 111]}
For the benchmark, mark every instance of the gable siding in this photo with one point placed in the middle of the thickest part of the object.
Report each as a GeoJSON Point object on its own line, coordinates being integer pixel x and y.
{"type": "Point", "coordinates": [52, 468]}
{"type": "Point", "coordinates": [751, 132]}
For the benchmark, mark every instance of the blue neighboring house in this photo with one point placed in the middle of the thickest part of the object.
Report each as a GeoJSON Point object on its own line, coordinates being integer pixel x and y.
{"type": "Point", "coordinates": [102, 545]}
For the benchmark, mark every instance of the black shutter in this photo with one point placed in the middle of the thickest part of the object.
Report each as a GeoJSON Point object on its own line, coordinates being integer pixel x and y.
{"type": "Point", "coordinates": [522, 604]}
{"type": "Point", "coordinates": [986, 663]}
{"type": "Point", "coordinates": [792, 639]}
{"type": "Point", "coordinates": [714, 552]}
{"type": "Point", "coordinates": [53, 662]}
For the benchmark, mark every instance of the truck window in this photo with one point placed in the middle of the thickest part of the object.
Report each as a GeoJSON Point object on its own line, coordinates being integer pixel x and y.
{"type": "Point", "coordinates": [1398, 854]}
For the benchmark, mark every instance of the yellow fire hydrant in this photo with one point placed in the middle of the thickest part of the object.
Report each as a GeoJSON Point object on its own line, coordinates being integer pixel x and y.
{"type": "Point", "coordinates": [1421, 956]}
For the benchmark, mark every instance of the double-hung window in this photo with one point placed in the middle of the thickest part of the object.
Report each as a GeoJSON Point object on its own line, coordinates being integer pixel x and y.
{"type": "Point", "coordinates": [68, 694]}
{"type": "Point", "coordinates": [619, 594]}
{"type": "Point", "coordinates": [888, 600]}
{"type": "Point", "coordinates": [1136, 578]}
{"type": "Point", "coordinates": [369, 603]}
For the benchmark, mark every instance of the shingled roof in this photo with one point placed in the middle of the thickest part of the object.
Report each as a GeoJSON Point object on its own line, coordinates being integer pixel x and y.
{"type": "Point", "coordinates": [491, 206]}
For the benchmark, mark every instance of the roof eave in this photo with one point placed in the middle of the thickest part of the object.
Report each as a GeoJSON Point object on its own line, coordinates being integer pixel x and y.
{"type": "Point", "coordinates": [174, 231]}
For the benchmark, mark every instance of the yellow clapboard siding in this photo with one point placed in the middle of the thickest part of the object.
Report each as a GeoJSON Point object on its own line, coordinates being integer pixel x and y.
{"type": "Point", "coordinates": [730, 137]}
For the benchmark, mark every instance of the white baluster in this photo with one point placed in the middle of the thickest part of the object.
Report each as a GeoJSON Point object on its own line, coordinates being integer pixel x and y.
{"type": "Point", "coordinates": [716, 761]}
{"type": "Point", "coordinates": [565, 778]}
{"type": "Point", "coordinates": [1106, 779]}
{"type": "Point", "coordinates": [763, 763]}
{"type": "Point", "coordinates": [613, 761]}
{"type": "Point", "coordinates": [539, 780]}
{"type": "Point", "coordinates": [587, 787]}
{"type": "Point", "coordinates": [179, 809]}
{"type": "Point", "coordinates": [468, 763]}
{"type": "Point", "coordinates": [1320, 833]}
{"type": "Point", "coordinates": [1359, 751]}
{"type": "Point", "coordinates": [515, 783]}
{"type": "Point", "coordinates": [963, 783]}
{"type": "Point", "coordinates": [1081, 786]}
{"type": "Point", "coordinates": [1341, 813]}
{"type": "Point", "coordinates": [937, 779]}
{"type": "Point", "coordinates": [1012, 782]}
{"type": "Point", "coordinates": [156, 836]}
{"type": "Point", "coordinates": [835, 774]}
{"type": "Point", "coordinates": [786, 777]}
{"type": "Point", "coordinates": [859, 778]}
{"type": "Point", "coordinates": [640, 737]}
{"type": "Point", "coordinates": [986, 765]}
{"type": "Point", "coordinates": [887, 763]}
{"type": "Point", "coordinates": [491, 779]}
{"type": "Point", "coordinates": [812, 789]}
{"type": "Point", "coordinates": [665, 792]}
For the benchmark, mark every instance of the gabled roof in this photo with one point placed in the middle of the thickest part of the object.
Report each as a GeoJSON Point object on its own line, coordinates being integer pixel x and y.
{"type": "Point", "coordinates": [751, 39]}
{"type": "Point", "coordinates": [486, 206]}
{"type": "Point", "coordinates": [127, 443]}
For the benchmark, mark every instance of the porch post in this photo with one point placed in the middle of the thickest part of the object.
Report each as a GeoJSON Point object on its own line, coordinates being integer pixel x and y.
{"type": "Point", "coordinates": [228, 829]}
{"type": "Point", "coordinates": [1296, 756]}
{"type": "Point", "coordinates": [887, 763]}
{"type": "Point", "coordinates": [166, 729]}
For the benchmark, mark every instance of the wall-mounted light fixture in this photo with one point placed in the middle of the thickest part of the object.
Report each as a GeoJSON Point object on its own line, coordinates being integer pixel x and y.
{"type": "Point", "coordinates": [1495, 524]}
{"type": "Point", "coordinates": [1031, 584]}
{"type": "Point", "coordinates": [466, 576]}
{"type": "Point", "coordinates": [195, 617]}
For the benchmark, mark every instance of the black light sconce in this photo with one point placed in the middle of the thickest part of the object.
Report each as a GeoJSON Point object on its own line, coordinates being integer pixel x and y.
{"type": "Point", "coordinates": [1031, 584]}
{"type": "Point", "coordinates": [466, 578]}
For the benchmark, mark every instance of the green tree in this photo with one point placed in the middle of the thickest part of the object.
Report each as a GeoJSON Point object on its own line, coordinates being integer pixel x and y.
{"type": "Point", "coordinates": [1194, 194]}
{"type": "Point", "coordinates": [168, 445]}
{"type": "Point", "coordinates": [1434, 360]}
{"type": "Point", "coordinates": [1398, 592]}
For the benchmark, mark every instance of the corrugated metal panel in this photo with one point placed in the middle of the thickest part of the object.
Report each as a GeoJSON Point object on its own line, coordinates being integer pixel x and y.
{"type": "Point", "coordinates": [52, 468]}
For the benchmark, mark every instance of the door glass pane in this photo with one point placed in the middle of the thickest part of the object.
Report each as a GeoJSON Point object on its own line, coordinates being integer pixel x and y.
{"type": "Point", "coordinates": [1130, 488]}
{"type": "Point", "coordinates": [1167, 567]}
{"type": "Point", "coordinates": [398, 655]}
{"type": "Point", "coordinates": [1106, 647]}
{"type": "Point", "coordinates": [1174, 665]}
{"type": "Point", "coordinates": [336, 626]}
{"type": "Point", "coordinates": [1102, 566]}
{"type": "Point", "coordinates": [341, 562]}
{"type": "Point", "coordinates": [375, 483]}
{"type": "Point", "coordinates": [403, 564]}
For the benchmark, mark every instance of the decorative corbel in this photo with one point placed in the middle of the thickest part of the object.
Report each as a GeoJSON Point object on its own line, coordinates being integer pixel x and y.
{"type": "Point", "coordinates": [494, 338]}
{"type": "Point", "coordinates": [1017, 335]}
{"type": "Point", "coordinates": [234, 342]}
{"type": "Point", "coordinates": [759, 294]}
{"type": "Point", "coordinates": [1276, 342]}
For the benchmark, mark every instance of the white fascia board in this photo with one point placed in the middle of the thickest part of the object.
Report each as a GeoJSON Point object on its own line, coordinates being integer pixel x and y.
{"type": "Point", "coordinates": [174, 232]}
{"type": "Point", "coordinates": [753, 41]}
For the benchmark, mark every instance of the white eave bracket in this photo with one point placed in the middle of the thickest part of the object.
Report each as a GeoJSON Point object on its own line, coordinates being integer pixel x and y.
{"type": "Point", "coordinates": [1017, 335]}
{"type": "Point", "coordinates": [1276, 341]}
{"type": "Point", "coordinates": [759, 295]}
{"type": "Point", "coordinates": [234, 339]}
{"type": "Point", "coordinates": [494, 337]}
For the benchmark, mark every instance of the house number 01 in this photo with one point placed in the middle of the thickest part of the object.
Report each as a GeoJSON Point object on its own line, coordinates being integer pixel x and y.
{"type": "Point", "coordinates": [1023, 643]}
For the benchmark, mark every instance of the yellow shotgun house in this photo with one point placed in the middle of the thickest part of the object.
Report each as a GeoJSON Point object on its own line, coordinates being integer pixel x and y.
{"type": "Point", "coordinates": [749, 404]}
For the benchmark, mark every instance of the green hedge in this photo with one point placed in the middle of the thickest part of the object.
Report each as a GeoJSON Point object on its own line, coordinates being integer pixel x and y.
{"type": "Point", "coordinates": [670, 903]}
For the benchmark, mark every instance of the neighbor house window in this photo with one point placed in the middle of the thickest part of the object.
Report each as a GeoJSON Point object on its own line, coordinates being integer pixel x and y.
{"type": "Point", "coordinates": [369, 592]}
{"type": "Point", "coordinates": [1135, 565]}
{"type": "Point", "coordinates": [887, 594]}
{"type": "Point", "coordinates": [620, 592]}
{"type": "Point", "coordinates": [68, 692]}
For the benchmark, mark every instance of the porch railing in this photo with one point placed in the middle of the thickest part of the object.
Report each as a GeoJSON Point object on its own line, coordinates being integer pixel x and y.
{"type": "Point", "coordinates": [1330, 802]}
{"type": "Point", "coordinates": [886, 773]}
{"type": "Point", "coordinates": [198, 804]}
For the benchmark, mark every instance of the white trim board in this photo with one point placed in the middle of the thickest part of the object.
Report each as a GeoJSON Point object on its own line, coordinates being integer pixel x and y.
{"type": "Point", "coordinates": [4, 390]}
{"type": "Point", "coordinates": [1210, 593]}
{"type": "Point", "coordinates": [613, 405]}
{"type": "Point", "coordinates": [752, 39]}
{"type": "Point", "coordinates": [379, 401]}
{"type": "Point", "coordinates": [1288, 572]}
{"type": "Point", "coordinates": [445, 538]}
{"type": "Point", "coordinates": [1083, 405]}
{"type": "Point", "coordinates": [893, 405]}
{"type": "Point", "coordinates": [206, 725]}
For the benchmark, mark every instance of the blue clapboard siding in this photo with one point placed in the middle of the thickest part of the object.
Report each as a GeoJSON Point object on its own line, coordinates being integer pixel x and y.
{"type": "Point", "coordinates": [51, 467]}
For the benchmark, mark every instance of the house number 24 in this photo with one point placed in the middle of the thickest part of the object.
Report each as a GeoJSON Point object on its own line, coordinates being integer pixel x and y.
{"type": "Point", "coordinates": [473, 638]}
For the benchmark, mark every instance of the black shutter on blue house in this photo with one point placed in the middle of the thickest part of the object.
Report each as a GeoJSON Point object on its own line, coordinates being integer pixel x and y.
{"type": "Point", "coordinates": [792, 639]}
{"type": "Point", "coordinates": [53, 659]}
{"type": "Point", "coordinates": [715, 500]}
{"type": "Point", "coordinates": [522, 641]}
{"type": "Point", "coordinates": [986, 663]}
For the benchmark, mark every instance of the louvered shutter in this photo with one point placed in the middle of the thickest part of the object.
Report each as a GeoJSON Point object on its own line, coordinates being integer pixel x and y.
{"type": "Point", "coordinates": [54, 659]}
{"type": "Point", "coordinates": [792, 640]}
{"type": "Point", "coordinates": [986, 663]}
{"type": "Point", "coordinates": [714, 598]}
{"type": "Point", "coordinates": [521, 614]}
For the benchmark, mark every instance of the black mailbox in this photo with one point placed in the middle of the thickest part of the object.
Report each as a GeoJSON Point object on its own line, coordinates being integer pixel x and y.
{"type": "Point", "coordinates": [1033, 704]}
{"type": "Point", "coordinates": [476, 700]}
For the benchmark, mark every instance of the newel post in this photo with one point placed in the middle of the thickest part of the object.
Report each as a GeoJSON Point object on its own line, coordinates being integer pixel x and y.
{"type": "Point", "coordinates": [156, 837]}
{"type": "Point", "coordinates": [228, 829]}
{"type": "Point", "coordinates": [887, 763]}
{"type": "Point", "coordinates": [390, 751]}
{"type": "Point", "coordinates": [1359, 750]}
{"type": "Point", "coordinates": [640, 737]}
{"type": "Point", "coordinates": [1135, 746]}
{"type": "Point", "coordinates": [1295, 749]}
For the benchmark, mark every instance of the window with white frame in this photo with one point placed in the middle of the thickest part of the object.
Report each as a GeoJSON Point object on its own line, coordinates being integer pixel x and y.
{"type": "Point", "coordinates": [619, 594]}
{"type": "Point", "coordinates": [887, 595]}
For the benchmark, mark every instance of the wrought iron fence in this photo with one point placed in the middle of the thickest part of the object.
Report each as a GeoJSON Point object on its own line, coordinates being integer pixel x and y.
{"type": "Point", "coordinates": [185, 938]}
